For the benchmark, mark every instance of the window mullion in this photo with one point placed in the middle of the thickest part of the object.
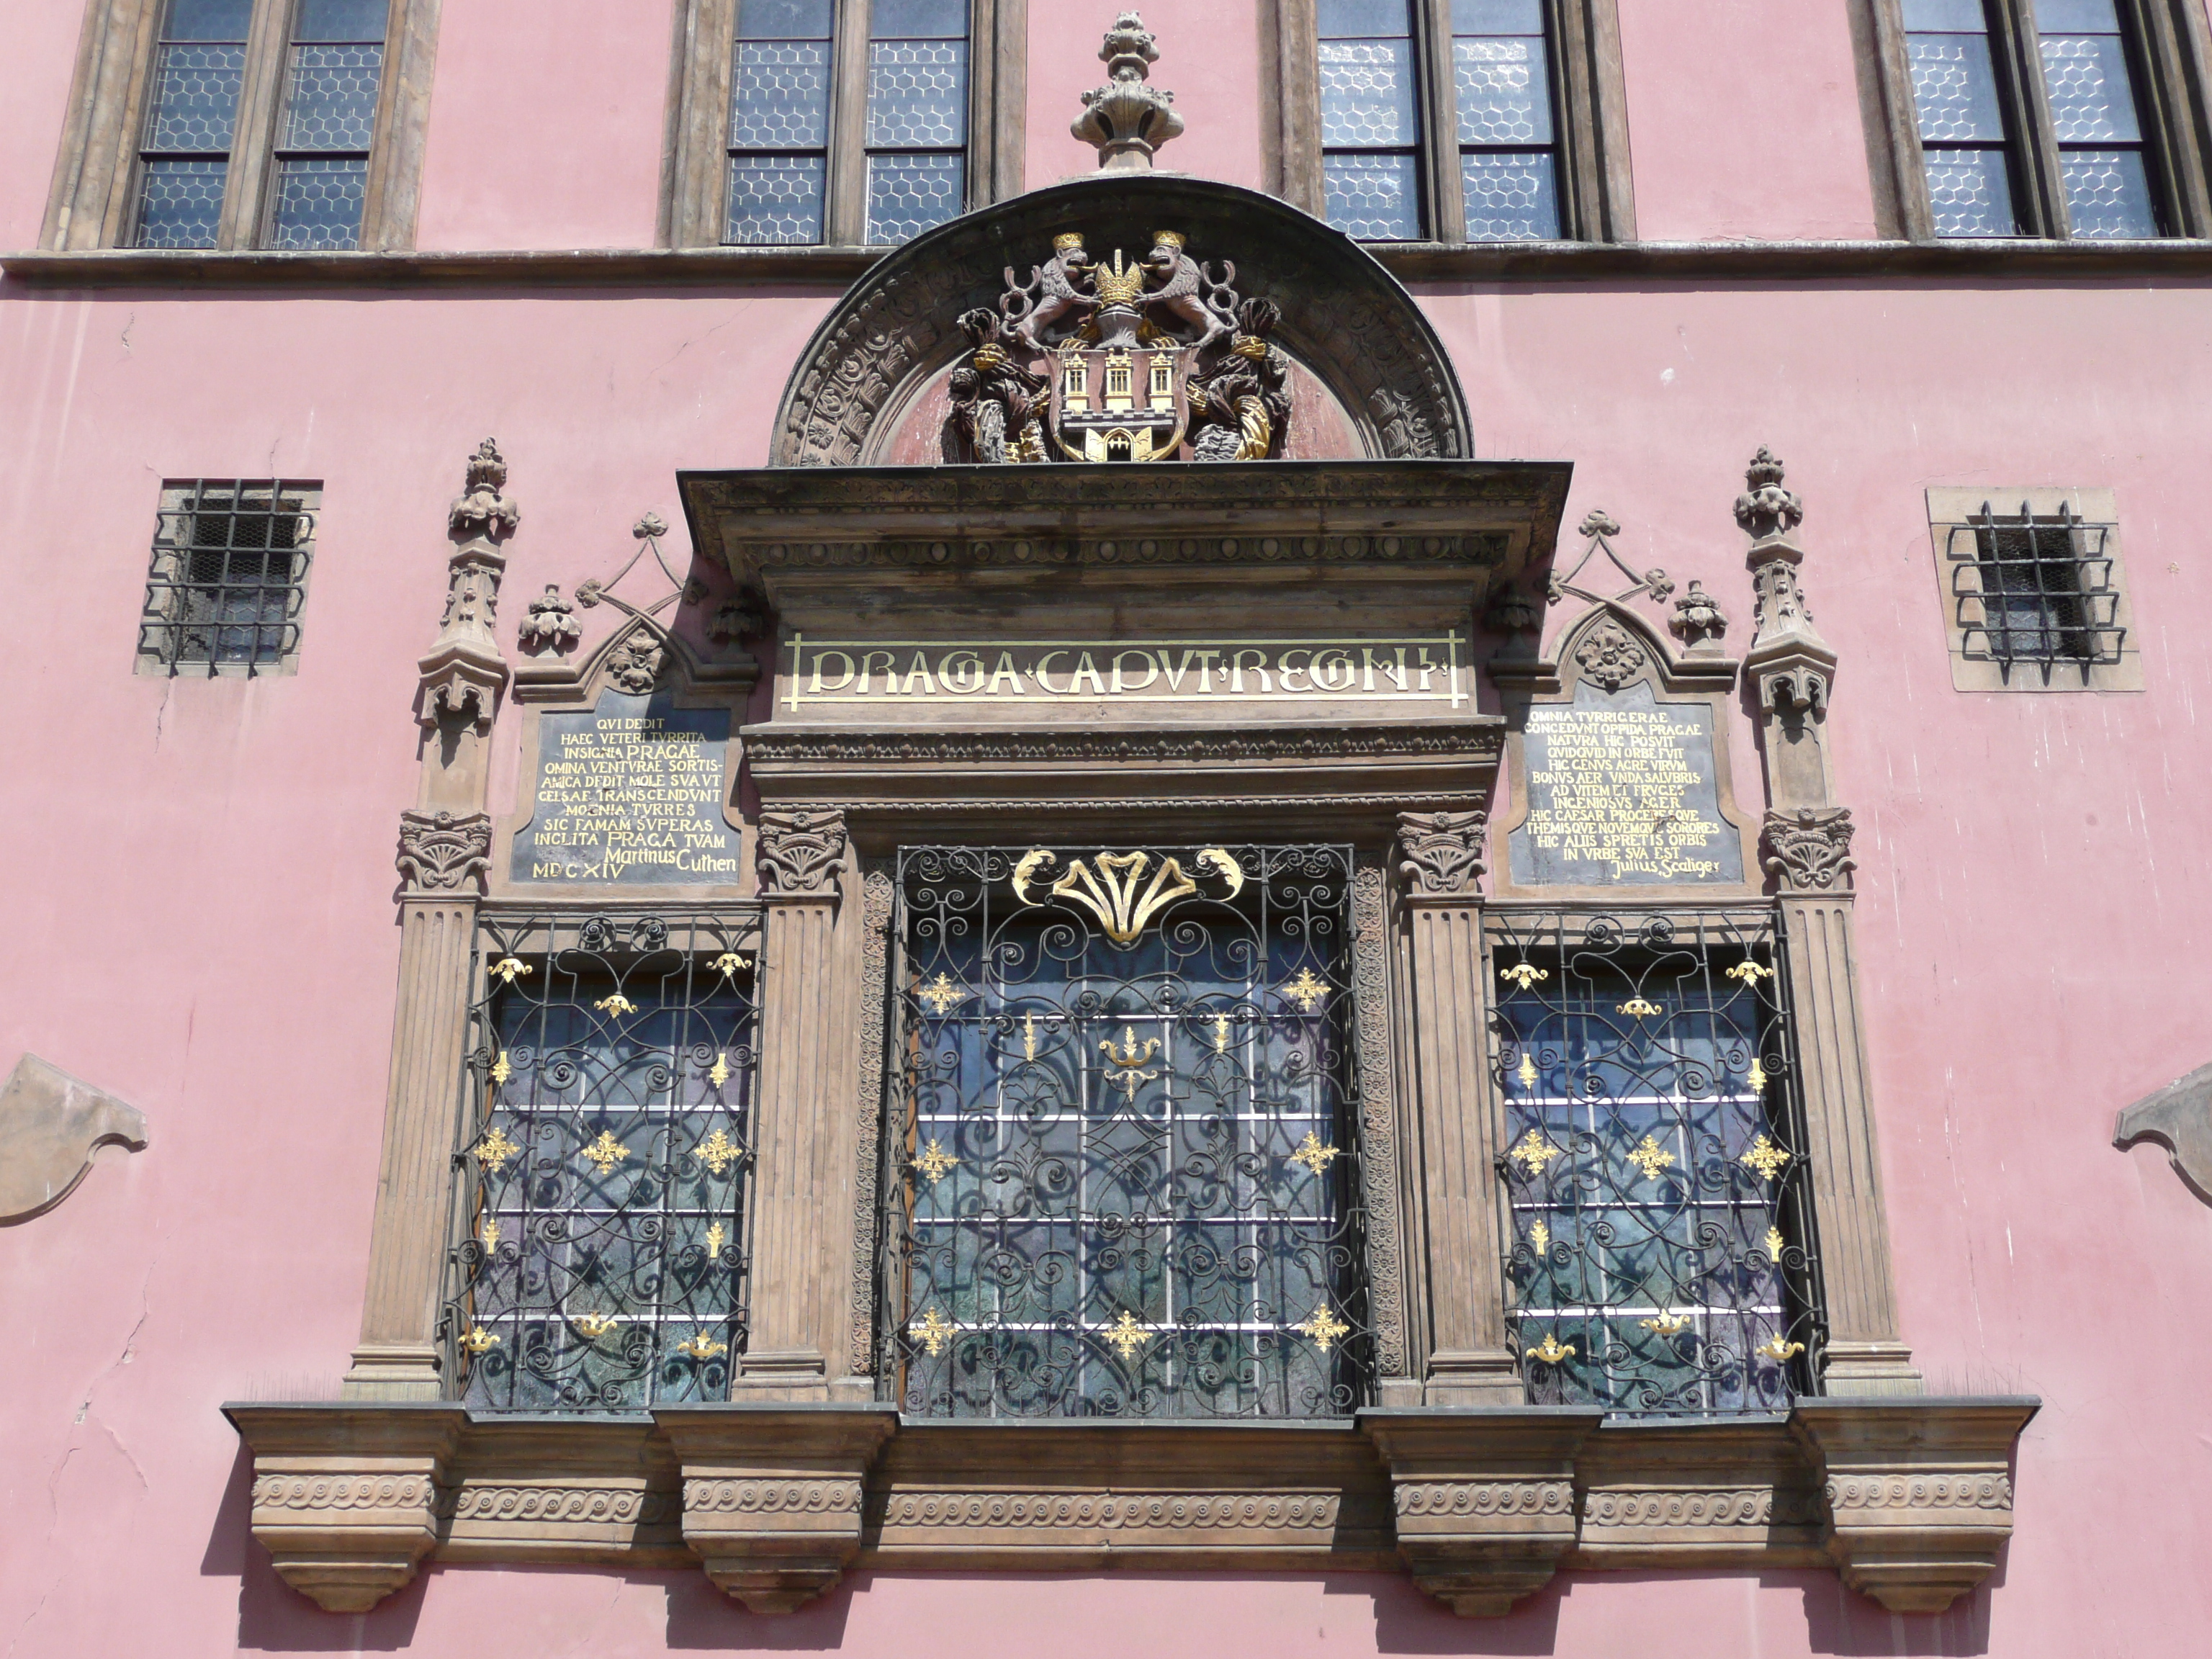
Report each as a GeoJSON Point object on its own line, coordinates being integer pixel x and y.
{"type": "Point", "coordinates": [1444, 206]}
{"type": "Point", "coordinates": [845, 212]}
{"type": "Point", "coordinates": [253, 137]}
{"type": "Point", "coordinates": [2038, 191]}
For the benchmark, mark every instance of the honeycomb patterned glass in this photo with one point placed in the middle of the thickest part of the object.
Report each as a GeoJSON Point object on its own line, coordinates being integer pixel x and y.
{"type": "Point", "coordinates": [774, 199]}
{"type": "Point", "coordinates": [1510, 196]}
{"type": "Point", "coordinates": [1372, 196]}
{"type": "Point", "coordinates": [2107, 193]}
{"type": "Point", "coordinates": [1955, 88]}
{"type": "Point", "coordinates": [179, 202]}
{"type": "Point", "coordinates": [195, 99]}
{"type": "Point", "coordinates": [318, 202]}
{"type": "Point", "coordinates": [1970, 192]}
{"type": "Point", "coordinates": [330, 97]}
{"type": "Point", "coordinates": [907, 194]}
{"type": "Point", "coordinates": [1366, 93]}
{"type": "Point", "coordinates": [779, 95]}
{"type": "Point", "coordinates": [2091, 101]}
{"type": "Point", "coordinates": [1504, 89]}
{"type": "Point", "coordinates": [917, 94]}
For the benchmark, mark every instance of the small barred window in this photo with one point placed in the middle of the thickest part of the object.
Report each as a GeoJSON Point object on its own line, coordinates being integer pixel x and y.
{"type": "Point", "coordinates": [1661, 1260]}
{"type": "Point", "coordinates": [601, 1264]}
{"type": "Point", "coordinates": [2033, 591]}
{"type": "Point", "coordinates": [229, 575]}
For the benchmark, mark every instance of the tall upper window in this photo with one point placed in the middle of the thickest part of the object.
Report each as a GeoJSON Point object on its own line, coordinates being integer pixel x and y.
{"type": "Point", "coordinates": [248, 124]}
{"type": "Point", "coordinates": [849, 119]}
{"type": "Point", "coordinates": [2031, 119]}
{"type": "Point", "coordinates": [1452, 120]}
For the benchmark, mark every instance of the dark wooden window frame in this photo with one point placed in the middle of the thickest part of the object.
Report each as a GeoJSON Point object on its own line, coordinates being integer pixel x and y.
{"type": "Point", "coordinates": [2171, 53]}
{"type": "Point", "coordinates": [695, 156]}
{"type": "Point", "coordinates": [1597, 202]}
{"type": "Point", "coordinates": [93, 199]}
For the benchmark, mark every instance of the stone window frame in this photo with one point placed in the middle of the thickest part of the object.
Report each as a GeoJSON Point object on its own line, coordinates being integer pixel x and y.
{"type": "Point", "coordinates": [1952, 511]}
{"type": "Point", "coordinates": [91, 202]}
{"type": "Point", "coordinates": [167, 574]}
{"type": "Point", "coordinates": [2173, 50]}
{"type": "Point", "coordinates": [695, 156]}
{"type": "Point", "coordinates": [1596, 186]}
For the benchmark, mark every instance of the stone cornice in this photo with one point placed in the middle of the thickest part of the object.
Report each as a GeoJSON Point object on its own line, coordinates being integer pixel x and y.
{"type": "Point", "coordinates": [773, 744]}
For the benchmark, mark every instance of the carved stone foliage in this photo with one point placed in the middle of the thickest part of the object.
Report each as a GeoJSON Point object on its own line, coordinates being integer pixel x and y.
{"type": "Point", "coordinates": [1766, 509]}
{"type": "Point", "coordinates": [2178, 1117]}
{"type": "Point", "coordinates": [1341, 314]}
{"type": "Point", "coordinates": [1442, 852]}
{"type": "Point", "coordinates": [634, 667]}
{"type": "Point", "coordinates": [1127, 120]}
{"type": "Point", "coordinates": [1698, 618]}
{"type": "Point", "coordinates": [443, 852]}
{"type": "Point", "coordinates": [800, 852]}
{"type": "Point", "coordinates": [50, 1124]}
{"type": "Point", "coordinates": [551, 624]}
{"type": "Point", "coordinates": [1610, 656]}
{"type": "Point", "coordinates": [875, 894]}
{"type": "Point", "coordinates": [482, 511]}
{"type": "Point", "coordinates": [1378, 1128]}
{"type": "Point", "coordinates": [1809, 850]}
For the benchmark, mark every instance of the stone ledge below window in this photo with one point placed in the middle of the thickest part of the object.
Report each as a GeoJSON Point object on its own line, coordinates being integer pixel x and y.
{"type": "Point", "coordinates": [1910, 1498]}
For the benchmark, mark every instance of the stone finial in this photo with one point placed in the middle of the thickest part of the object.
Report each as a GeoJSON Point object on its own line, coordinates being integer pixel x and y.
{"type": "Point", "coordinates": [483, 510]}
{"type": "Point", "coordinates": [1698, 619]}
{"type": "Point", "coordinates": [1127, 119]}
{"type": "Point", "coordinates": [1766, 509]}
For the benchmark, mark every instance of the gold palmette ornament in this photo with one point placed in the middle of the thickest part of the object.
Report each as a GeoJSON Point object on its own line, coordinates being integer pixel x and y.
{"type": "Point", "coordinates": [1651, 1157]}
{"type": "Point", "coordinates": [1526, 974]}
{"type": "Point", "coordinates": [1540, 1237]}
{"type": "Point", "coordinates": [1666, 1324]}
{"type": "Point", "coordinates": [932, 1330]}
{"type": "Point", "coordinates": [715, 1237]}
{"type": "Point", "coordinates": [1552, 1350]}
{"type": "Point", "coordinates": [1750, 973]}
{"type": "Point", "coordinates": [510, 969]}
{"type": "Point", "coordinates": [1641, 1008]}
{"type": "Point", "coordinates": [942, 993]}
{"type": "Point", "coordinates": [1777, 1350]}
{"type": "Point", "coordinates": [618, 1005]}
{"type": "Point", "coordinates": [1534, 1152]}
{"type": "Point", "coordinates": [935, 1161]}
{"type": "Point", "coordinates": [479, 1341]}
{"type": "Point", "coordinates": [702, 1347]}
{"type": "Point", "coordinates": [1323, 1327]}
{"type": "Point", "coordinates": [493, 1151]}
{"type": "Point", "coordinates": [1126, 1336]}
{"type": "Point", "coordinates": [606, 1151]}
{"type": "Point", "coordinates": [501, 1071]}
{"type": "Point", "coordinates": [1767, 1158]}
{"type": "Point", "coordinates": [1314, 1156]}
{"type": "Point", "coordinates": [594, 1325]}
{"type": "Point", "coordinates": [718, 1151]}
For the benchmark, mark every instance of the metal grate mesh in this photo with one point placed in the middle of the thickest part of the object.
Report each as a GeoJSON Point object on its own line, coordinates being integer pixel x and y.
{"type": "Point", "coordinates": [229, 573]}
{"type": "Point", "coordinates": [1661, 1259]}
{"type": "Point", "coordinates": [2034, 591]}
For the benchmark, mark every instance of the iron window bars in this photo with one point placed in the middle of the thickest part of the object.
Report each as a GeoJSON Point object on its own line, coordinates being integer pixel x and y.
{"type": "Point", "coordinates": [2034, 590]}
{"type": "Point", "coordinates": [1123, 1177]}
{"type": "Point", "coordinates": [229, 573]}
{"type": "Point", "coordinates": [1661, 1259]}
{"type": "Point", "coordinates": [600, 1262]}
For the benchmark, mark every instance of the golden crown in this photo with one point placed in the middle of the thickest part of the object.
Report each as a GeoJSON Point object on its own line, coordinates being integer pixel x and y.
{"type": "Point", "coordinates": [1117, 287]}
{"type": "Point", "coordinates": [1171, 238]}
{"type": "Point", "coordinates": [1066, 241]}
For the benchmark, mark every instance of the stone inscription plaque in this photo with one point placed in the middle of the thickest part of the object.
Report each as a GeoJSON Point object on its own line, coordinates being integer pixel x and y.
{"type": "Point", "coordinates": [629, 793]}
{"type": "Point", "coordinates": [1622, 791]}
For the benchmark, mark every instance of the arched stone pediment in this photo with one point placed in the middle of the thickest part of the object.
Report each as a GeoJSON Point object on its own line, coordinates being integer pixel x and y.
{"type": "Point", "coordinates": [1345, 321]}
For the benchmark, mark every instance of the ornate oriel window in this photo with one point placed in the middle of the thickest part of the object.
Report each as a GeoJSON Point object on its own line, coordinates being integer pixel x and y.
{"type": "Point", "coordinates": [242, 124]}
{"type": "Point", "coordinates": [847, 121]}
{"type": "Point", "coordinates": [2042, 117]}
{"type": "Point", "coordinates": [1453, 120]}
{"type": "Point", "coordinates": [228, 576]}
{"type": "Point", "coordinates": [1661, 1260]}
{"type": "Point", "coordinates": [1123, 1177]}
{"type": "Point", "coordinates": [601, 1257]}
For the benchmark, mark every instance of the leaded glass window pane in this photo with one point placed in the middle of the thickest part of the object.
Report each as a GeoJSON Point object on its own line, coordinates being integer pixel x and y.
{"type": "Point", "coordinates": [775, 198]}
{"type": "Point", "coordinates": [333, 74]}
{"type": "Point", "coordinates": [917, 122]}
{"type": "Point", "coordinates": [1501, 82]}
{"type": "Point", "coordinates": [601, 1264]}
{"type": "Point", "coordinates": [1653, 1167]}
{"type": "Point", "coordinates": [1124, 1177]}
{"type": "Point", "coordinates": [2093, 112]}
{"type": "Point", "coordinates": [192, 107]}
{"type": "Point", "coordinates": [779, 136]}
{"type": "Point", "coordinates": [1961, 119]}
{"type": "Point", "coordinates": [1369, 119]}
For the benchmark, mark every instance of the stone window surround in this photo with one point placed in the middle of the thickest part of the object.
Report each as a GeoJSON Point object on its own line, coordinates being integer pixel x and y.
{"type": "Point", "coordinates": [1597, 200]}
{"type": "Point", "coordinates": [695, 157]}
{"type": "Point", "coordinates": [2174, 43]}
{"type": "Point", "coordinates": [1950, 506]}
{"type": "Point", "coordinates": [91, 201]}
{"type": "Point", "coordinates": [175, 493]}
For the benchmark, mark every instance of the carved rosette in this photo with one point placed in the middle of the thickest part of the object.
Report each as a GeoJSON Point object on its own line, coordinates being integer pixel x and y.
{"type": "Point", "coordinates": [799, 852]}
{"type": "Point", "coordinates": [1442, 853]}
{"type": "Point", "coordinates": [875, 951]}
{"type": "Point", "coordinates": [1809, 849]}
{"type": "Point", "coordinates": [1608, 655]}
{"type": "Point", "coordinates": [443, 852]}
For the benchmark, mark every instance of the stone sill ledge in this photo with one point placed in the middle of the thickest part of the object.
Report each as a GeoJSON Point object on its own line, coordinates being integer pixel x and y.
{"type": "Point", "coordinates": [1910, 1498]}
{"type": "Point", "coordinates": [2023, 260]}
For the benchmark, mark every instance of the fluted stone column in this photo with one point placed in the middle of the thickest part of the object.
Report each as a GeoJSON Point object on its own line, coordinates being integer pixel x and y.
{"type": "Point", "coordinates": [1441, 862]}
{"type": "Point", "coordinates": [1809, 841]}
{"type": "Point", "coordinates": [801, 1193]}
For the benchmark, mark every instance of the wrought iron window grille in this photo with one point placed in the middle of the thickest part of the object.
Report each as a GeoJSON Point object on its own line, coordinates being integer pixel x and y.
{"type": "Point", "coordinates": [228, 574]}
{"type": "Point", "coordinates": [1663, 1258]}
{"type": "Point", "coordinates": [2034, 590]}
{"type": "Point", "coordinates": [1123, 1176]}
{"type": "Point", "coordinates": [600, 1261]}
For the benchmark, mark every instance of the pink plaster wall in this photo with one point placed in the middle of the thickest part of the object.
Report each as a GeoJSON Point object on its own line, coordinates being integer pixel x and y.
{"type": "Point", "coordinates": [38, 53]}
{"type": "Point", "coordinates": [1744, 120]}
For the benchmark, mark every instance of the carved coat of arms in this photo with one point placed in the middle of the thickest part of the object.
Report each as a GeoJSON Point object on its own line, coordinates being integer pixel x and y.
{"type": "Point", "coordinates": [1096, 360]}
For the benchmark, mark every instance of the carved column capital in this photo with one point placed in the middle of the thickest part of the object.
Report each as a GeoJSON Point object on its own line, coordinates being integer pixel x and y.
{"type": "Point", "coordinates": [443, 852]}
{"type": "Point", "coordinates": [1441, 854]}
{"type": "Point", "coordinates": [799, 852]}
{"type": "Point", "coordinates": [1809, 850]}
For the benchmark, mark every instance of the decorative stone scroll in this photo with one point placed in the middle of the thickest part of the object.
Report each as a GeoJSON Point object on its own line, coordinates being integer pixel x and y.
{"type": "Point", "coordinates": [443, 852]}
{"type": "Point", "coordinates": [800, 852]}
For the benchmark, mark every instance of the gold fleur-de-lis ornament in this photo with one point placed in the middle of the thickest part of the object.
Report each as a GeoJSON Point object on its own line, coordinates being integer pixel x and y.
{"type": "Point", "coordinates": [1324, 1327]}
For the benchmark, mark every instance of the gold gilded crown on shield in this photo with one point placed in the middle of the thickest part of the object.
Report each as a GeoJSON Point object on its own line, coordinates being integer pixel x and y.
{"type": "Point", "coordinates": [1170, 238]}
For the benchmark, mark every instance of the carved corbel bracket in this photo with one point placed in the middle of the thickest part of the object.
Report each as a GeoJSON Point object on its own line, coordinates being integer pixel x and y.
{"type": "Point", "coordinates": [1919, 1491]}
{"type": "Point", "coordinates": [2179, 1117]}
{"type": "Point", "coordinates": [1485, 1499]}
{"type": "Point", "coordinates": [1809, 850]}
{"type": "Point", "coordinates": [345, 1499]}
{"type": "Point", "coordinates": [800, 851]}
{"type": "Point", "coordinates": [1442, 853]}
{"type": "Point", "coordinates": [52, 1124]}
{"type": "Point", "coordinates": [773, 1494]}
{"type": "Point", "coordinates": [442, 852]}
